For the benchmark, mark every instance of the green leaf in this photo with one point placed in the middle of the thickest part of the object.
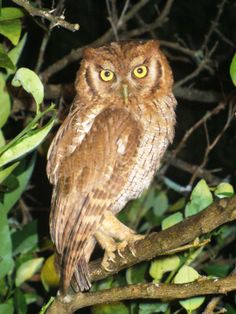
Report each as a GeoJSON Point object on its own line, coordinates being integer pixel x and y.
{"type": "Point", "coordinates": [224, 189]}
{"type": "Point", "coordinates": [32, 125]}
{"type": "Point", "coordinates": [151, 308]}
{"type": "Point", "coordinates": [2, 139]}
{"type": "Point", "coordinates": [232, 69]}
{"type": "Point", "coordinates": [26, 239]}
{"type": "Point", "coordinates": [11, 183]}
{"type": "Point", "coordinates": [20, 302]}
{"type": "Point", "coordinates": [31, 297]}
{"type": "Point", "coordinates": [200, 198]}
{"type": "Point", "coordinates": [26, 144]}
{"type": "Point", "coordinates": [161, 204]}
{"type": "Point", "coordinates": [217, 270]}
{"type": "Point", "coordinates": [6, 308]}
{"type": "Point", "coordinates": [10, 13]}
{"type": "Point", "coordinates": [177, 205]}
{"type": "Point", "coordinates": [10, 25]}
{"type": "Point", "coordinates": [5, 61]}
{"type": "Point", "coordinates": [11, 29]}
{"type": "Point", "coordinates": [116, 307]}
{"type": "Point", "coordinates": [5, 102]}
{"type": "Point", "coordinates": [30, 81]}
{"type": "Point", "coordinates": [23, 173]}
{"type": "Point", "coordinates": [136, 274]}
{"type": "Point", "coordinates": [4, 173]}
{"type": "Point", "coordinates": [162, 265]}
{"type": "Point", "coordinates": [27, 270]}
{"type": "Point", "coordinates": [188, 274]}
{"type": "Point", "coordinates": [14, 54]}
{"type": "Point", "coordinates": [49, 274]}
{"type": "Point", "coordinates": [6, 261]}
{"type": "Point", "coordinates": [103, 284]}
{"type": "Point", "coordinates": [171, 220]}
{"type": "Point", "coordinates": [229, 308]}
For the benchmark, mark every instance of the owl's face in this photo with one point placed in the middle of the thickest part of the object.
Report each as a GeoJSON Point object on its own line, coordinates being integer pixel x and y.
{"type": "Point", "coordinates": [124, 70]}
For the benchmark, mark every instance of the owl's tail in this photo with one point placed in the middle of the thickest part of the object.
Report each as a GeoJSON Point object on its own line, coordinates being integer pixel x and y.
{"type": "Point", "coordinates": [80, 279]}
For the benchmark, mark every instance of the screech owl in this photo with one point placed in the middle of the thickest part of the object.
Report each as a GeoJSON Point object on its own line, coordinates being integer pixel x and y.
{"type": "Point", "coordinates": [107, 150]}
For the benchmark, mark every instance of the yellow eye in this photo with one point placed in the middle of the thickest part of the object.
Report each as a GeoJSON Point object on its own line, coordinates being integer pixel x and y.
{"type": "Point", "coordinates": [140, 71]}
{"type": "Point", "coordinates": [106, 75]}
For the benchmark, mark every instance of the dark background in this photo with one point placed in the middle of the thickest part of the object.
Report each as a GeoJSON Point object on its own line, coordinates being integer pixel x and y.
{"type": "Point", "coordinates": [186, 25]}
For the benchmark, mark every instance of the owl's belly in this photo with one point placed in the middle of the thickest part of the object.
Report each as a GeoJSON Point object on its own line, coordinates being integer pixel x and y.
{"type": "Point", "coordinates": [149, 154]}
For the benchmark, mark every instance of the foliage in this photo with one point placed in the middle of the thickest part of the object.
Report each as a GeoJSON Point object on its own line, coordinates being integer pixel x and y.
{"type": "Point", "coordinates": [19, 246]}
{"type": "Point", "coordinates": [232, 69]}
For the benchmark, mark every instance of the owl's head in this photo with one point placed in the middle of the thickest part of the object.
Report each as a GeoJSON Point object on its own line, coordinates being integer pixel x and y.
{"type": "Point", "coordinates": [121, 71]}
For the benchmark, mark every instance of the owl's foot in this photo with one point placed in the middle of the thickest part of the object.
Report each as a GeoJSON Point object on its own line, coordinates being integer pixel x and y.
{"type": "Point", "coordinates": [130, 244]}
{"type": "Point", "coordinates": [110, 246]}
{"type": "Point", "coordinates": [108, 257]}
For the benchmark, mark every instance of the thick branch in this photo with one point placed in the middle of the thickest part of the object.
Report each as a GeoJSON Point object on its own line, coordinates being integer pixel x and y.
{"type": "Point", "coordinates": [192, 94]}
{"type": "Point", "coordinates": [157, 244]}
{"type": "Point", "coordinates": [55, 20]}
{"type": "Point", "coordinates": [144, 291]}
{"type": "Point", "coordinates": [153, 245]}
{"type": "Point", "coordinates": [203, 96]}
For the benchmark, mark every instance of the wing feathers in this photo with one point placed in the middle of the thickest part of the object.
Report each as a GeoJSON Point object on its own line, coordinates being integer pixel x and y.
{"type": "Point", "coordinates": [89, 180]}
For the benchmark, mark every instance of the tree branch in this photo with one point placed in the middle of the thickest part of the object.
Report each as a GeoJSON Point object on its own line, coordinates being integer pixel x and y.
{"type": "Point", "coordinates": [157, 244]}
{"type": "Point", "coordinates": [178, 163]}
{"type": "Point", "coordinates": [76, 54]}
{"type": "Point", "coordinates": [70, 304]}
{"type": "Point", "coordinates": [55, 20]}
{"type": "Point", "coordinates": [154, 245]}
{"type": "Point", "coordinates": [53, 91]}
{"type": "Point", "coordinates": [149, 27]}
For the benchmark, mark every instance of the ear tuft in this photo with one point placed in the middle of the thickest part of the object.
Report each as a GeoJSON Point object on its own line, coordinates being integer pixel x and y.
{"type": "Point", "coordinates": [89, 53]}
{"type": "Point", "coordinates": [152, 44]}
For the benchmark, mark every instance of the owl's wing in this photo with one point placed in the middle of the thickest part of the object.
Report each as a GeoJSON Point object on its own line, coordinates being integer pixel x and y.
{"type": "Point", "coordinates": [88, 182]}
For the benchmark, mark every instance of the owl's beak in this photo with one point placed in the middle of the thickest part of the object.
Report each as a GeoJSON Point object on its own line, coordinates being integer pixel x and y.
{"type": "Point", "coordinates": [125, 92]}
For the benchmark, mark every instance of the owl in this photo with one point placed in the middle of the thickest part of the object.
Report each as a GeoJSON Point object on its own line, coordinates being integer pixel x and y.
{"type": "Point", "coordinates": [107, 151]}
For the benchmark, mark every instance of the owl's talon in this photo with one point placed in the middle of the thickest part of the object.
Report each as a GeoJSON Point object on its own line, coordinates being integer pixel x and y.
{"type": "Point", "coordinates": [120, 254]}
{"type": "Point", "coordinates": [121, 247]}
{"type": "Point", "coordinates": [133, 251]}
{"type": "Point", "coordinates": [130, 243]}
{"type": "Point", "coordinates": [108, 257]}
{"type": "Point", "coordinates": [106, 268]}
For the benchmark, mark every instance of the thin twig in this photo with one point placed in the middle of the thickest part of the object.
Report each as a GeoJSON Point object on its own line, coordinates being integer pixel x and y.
{"type": "Point", "coordinates": [190, 168]}
{"type": "Point", "coordinates": [76, 54]}
{"type": "Point", "coordinates": [214, 24]}
{"type": "Point", "coordinates": [57, 10]}
{"type": "Point", "coordinates": [149, 27]}
{"type": "Point", "coordinates": [224, 38]}
{"type": "Point", "coordinates": [211, 145]}
{"type": "Point", "coordinates": [201, 121]}
{"type": "Point", "coordinates": [177, 47]}
{"type": "Point", "coordinates": [55, 20]}
{"type": "Point", "coordinates": [192, 75]}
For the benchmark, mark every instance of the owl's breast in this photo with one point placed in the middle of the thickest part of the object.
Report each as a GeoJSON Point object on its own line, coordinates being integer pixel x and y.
{"type": "Point", "coordinates": [157, 123]}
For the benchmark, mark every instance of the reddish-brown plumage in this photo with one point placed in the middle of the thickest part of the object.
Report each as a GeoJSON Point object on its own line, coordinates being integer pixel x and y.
{"type": "Point", "coordinates": [107, 150]}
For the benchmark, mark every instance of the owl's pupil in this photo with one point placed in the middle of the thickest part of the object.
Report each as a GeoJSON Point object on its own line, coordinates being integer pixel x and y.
{"type": "Point", "coordinates": [107, 73]}
{"type": "Point", "coordinates": [140, 70]}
